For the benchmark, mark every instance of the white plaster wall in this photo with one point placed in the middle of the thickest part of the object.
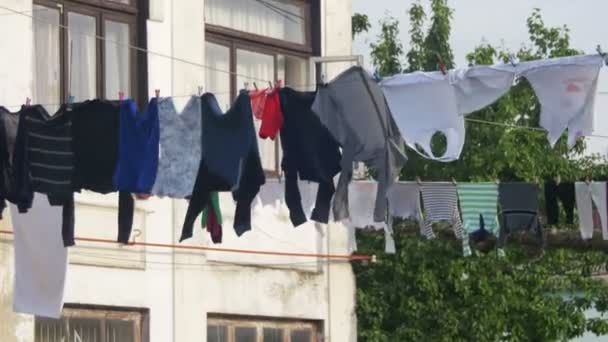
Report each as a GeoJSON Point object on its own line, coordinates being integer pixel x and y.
{"type": "Point", "coordinates": [180, 298]}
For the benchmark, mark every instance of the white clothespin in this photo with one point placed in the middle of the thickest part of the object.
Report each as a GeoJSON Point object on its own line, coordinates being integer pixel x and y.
{"type": "Point", "coordinates": [200, 90]}
{"type": "Point", "coordinates": [513, 59]}
{"type": "Point", "coordinates": [602, 53]}
{"type": "Point", "coordinates": [28, 101]}
{"type": "Point", "coordinates": [157, 93]}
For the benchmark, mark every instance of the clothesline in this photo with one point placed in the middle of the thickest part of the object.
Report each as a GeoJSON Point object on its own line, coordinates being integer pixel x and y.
{"type": "Point", "coordinates": [226, 250]}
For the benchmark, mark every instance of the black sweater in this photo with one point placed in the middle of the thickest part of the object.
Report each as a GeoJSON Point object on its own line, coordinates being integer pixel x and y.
{"type": "Point", "coordinates": [309, 152]}
{"type": "Point", "coordinates": [230, 161]}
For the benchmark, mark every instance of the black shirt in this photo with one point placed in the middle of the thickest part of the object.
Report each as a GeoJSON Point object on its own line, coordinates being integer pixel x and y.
{"type": "Point", "coordinates": [310, 153]}
{"type": "Point", "coordinates": [9, 123]}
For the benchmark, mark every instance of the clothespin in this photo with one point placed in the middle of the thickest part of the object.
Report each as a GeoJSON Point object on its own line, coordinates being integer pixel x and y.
{"type": "Point", "coordinates": [246, 85]}
{"type": "Point", "coordinates": [558, 179]}
{"type": "Point", "coordinates": [454, 181]}
{"type": "Point", "coordinates": [157, 93]}
{"type": "Point", "coordinates": [418, 180]}
{"type": "Point", "coordinates": [200, 90]}
{"type": "Point", "coordinates": [28, 101]}
{"type": "Point", "coordinates": [255, 86]}
{"type": "Point", "coordinates": [279, 84]}
{"type": "Point", "coordinates": [497, 181]}
{"type": "Point", "coordinates": [71, 100]}
{"type": "Point", "coordinates": [269, 85]}
{"type": "Point", "coordinates": [121, 95]}
{"type": "Point", "coordinates": [602, 53]}
{"type": "Point", "coordinates": [441, 66]}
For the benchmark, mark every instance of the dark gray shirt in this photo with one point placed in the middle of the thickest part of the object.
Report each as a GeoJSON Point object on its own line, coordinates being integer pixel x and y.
{"type": "Point", "coordinates": [353, 108]}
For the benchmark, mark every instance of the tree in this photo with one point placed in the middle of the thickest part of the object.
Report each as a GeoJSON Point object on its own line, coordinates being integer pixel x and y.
{"type": "Point", "coordinates": [360, 23]}
{"type": "Point", "coordinates": [428, 291]}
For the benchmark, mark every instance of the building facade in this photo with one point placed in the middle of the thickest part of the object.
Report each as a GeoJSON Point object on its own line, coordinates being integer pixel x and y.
{"type": "Point", "coordinates": [53, 49]}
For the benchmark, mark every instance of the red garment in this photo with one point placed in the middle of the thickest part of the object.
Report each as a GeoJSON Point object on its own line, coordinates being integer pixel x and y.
{"type": "Point", "coordinates": [258, 99]}
{"type": "Point", "coordinates": [272, 118]}
{"type": "Point", "coordinates": [213, 226]}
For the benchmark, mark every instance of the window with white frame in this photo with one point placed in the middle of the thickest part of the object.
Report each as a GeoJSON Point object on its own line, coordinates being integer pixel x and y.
{"type": "Point", "coordinates": [256, 42]}
{"type": "Point", "coordinates": [235, 329]}
{"type": "Point", "coordinates": [93, 325]}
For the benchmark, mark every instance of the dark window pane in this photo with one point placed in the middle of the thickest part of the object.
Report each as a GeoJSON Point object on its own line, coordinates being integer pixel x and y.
{"type": "Point", "coordinates": [245, 334]}
{"type": "Point", "coordinates": [117, 59]}
{"type": "Point", "coordinates": [217, 333]}
{"type": "Point", "coordinates": [301, 336]}
{"type": "Point", "coordinates": [85, 330]}
{"type": "Point", "coordinates": [119, 331]}
{"type": "Point", "coordinates": [273, 335]}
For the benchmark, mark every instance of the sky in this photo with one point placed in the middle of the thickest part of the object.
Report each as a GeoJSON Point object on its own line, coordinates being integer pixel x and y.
{"type": "Point", "coordinates": [503, 23]}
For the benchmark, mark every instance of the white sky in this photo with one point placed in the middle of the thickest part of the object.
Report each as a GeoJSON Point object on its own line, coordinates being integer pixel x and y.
{"type": "Point", "coordinates": [501, 22]}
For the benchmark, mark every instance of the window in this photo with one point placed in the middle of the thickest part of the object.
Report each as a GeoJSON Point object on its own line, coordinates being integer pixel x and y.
{"type": "Point", "coordinates": [74, 62]}
{"type": "Point", "coordinates": [232, 329]}
{"type": "Point", "coordinates": [93, 325]}
{"type": "Point", "coordinates": [257, 41]}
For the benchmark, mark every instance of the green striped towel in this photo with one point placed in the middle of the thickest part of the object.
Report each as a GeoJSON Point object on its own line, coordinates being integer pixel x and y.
{"type": "Point", "coordinates": [478, 199]}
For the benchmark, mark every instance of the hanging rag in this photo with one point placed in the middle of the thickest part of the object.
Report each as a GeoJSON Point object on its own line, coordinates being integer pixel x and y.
{"type": "Point", "coordinates": [41, 260]}
{"type": "Point", "coordinates": [9, 123]}
{"type": "Point", "coordinates": [354, 110]}
{"type": "Point", "coordinates": [44, 160]}
{"type": "Point", "coordinates": [440, 201]}
{"type": "Point", "coordinates": [362, 199]}
{"type": "Point", "coordinates": [565, 88]}
{"type": "Point", "coordinates": [564, 193]}
{"type": "Point", "coordinates": [478, 203]}
{"type": "Point", "coordinates": [211, 218]}
{"type": "Point", "coordinates": [180, 148]}
{"type": "Point", "coordinates": [426, 103]}
{"type": "Point", "coordinates": [519, 211]}
{"type": "Point", "coordinates": [272, 193]}
{"type": "Point", "coordinates": [310, 153]}
{"type": "Point", "coordinates": [588, 195]}
{"type": "Point", "coordinates": [230, 161]}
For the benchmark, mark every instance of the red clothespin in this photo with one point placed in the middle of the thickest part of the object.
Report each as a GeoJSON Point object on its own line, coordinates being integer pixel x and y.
{"type": "Point", "coordinates": [121, 95]}
{"type": "Point", "coordinates": [28, 101]}
{"type": "Point", "coordinates": [157, 93]}
{"type": "Point", "coordinates": [441, 65]}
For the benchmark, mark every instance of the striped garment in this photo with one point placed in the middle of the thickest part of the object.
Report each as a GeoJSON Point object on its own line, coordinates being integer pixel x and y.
{"type": "Point", "coordinates": [50, 154]}
{"type": "Point", "coordinates": [440, 202]}
{"type": "Point", "coordinates": [478, 200]}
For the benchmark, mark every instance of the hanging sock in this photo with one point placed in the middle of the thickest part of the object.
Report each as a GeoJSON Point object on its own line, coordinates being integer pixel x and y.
{"type": "Point", "coordinates": [566, 89]}
{"type": "Point", "coordinates": [425, 103]}
{"type": "Point", "coordinates": [564, 193]}
{"type": "Point", "coordinates": [40, 259]}
{"type": "Point", "coordinates": [586, 196]}
{"type": "Point", "coordinates": [478, 202]}
{"type": "Point", "coordinates": [440, 200]}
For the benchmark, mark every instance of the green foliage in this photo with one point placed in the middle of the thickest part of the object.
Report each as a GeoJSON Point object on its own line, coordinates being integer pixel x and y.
{"type": "Point", "coordinates": [388, 51]}
{"type": "Point", "coordinates": [429, 292]}
{"type": "Point", "coordinates": [360, 23]}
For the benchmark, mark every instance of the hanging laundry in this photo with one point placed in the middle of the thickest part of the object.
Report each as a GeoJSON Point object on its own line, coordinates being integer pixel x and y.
{"type": "Point", "coordinates": [478, 203]}
{"type": "Point", "coordinates": [565, 88]}
{"type": "Point", "coordinates": [310, 153]}
{"type": "Point", "coordinates": [44, 160]}
{"type": "Point", "coordinates": [9, 123]}
{"type": "Point", "coordinates": [230, 161]}
{"type": "Point", "coordinates": [258, 100]}
{"type": "Point", "coordinates": [40, 259]}
{"type": "Point", "coordinates": [404, 201]}
{"type": "Point", "coordinates": [138, 147]}
{"type": "Point", "coordinates": [564, 192]}
{"type": "Point", "coordinates": [354, 110]}
{"type": "Point", "coordinates": [96, 134]}
{"type": "Point", "coordinates": [362, 199]}
{"type": "Point", "coordinates": [272, 117]}
{"type": "Point", "coordinates": [586, 196]}
{"type": "Point", "coordinates": [440, 201]}
{"type": "Point", "coordinates": [425, 103]}
{"type": "Point", "coordinates": [212, 218]}
{"type": "Point", "coordinates": [273, 194]}
{"type": "Point", "coordinates": [180, 148]}
{"type": "Point", "coordinates": [519, 211]}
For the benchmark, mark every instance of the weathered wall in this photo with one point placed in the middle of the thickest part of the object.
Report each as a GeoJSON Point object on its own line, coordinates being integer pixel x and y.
{"type": "Point", "coordinates": [179, 298]}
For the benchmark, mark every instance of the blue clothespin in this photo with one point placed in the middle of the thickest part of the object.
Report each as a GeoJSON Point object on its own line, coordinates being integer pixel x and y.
{"type": "Point", "coordinates": [376, 75]}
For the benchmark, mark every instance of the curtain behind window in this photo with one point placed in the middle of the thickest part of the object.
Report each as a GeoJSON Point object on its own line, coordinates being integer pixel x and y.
{"type": "Point", "coordinates": [117, 59]}
{"type": "Point", "coordinates": [82, 56]}
{"type": "Point", "coordinates": [47, 81]}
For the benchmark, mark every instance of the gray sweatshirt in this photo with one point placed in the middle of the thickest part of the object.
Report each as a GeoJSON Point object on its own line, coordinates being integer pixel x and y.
{"type": "Point", "coordinates": [353, 108]}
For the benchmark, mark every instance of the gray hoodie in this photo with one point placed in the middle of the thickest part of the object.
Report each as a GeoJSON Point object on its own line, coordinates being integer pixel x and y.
{"type": "Point", "coordinates": [353, 108]}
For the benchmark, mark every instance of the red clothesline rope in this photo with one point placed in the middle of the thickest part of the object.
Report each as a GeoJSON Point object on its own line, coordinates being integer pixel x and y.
{"type": "Point", "coordinates": [228, 250]}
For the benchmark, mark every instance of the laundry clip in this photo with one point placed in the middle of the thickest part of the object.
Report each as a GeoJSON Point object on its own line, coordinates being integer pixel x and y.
{"type": "Point", "coordinates": [418, 181]}
{"type": "Point", "coordinates": [28, 101]}
{"type": "Point", "coordinates": [513, 59]}
{"type": "Point", "coordinates": [121, 95]}
{"type": "Point", "coordinates": [157, 93]}
{"type": "Point", "coordinates": [454, 181]}
{"type": "Point", "coordinates": [602, 53]}
{"type": "Point", "coordinates": [200, 90]}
